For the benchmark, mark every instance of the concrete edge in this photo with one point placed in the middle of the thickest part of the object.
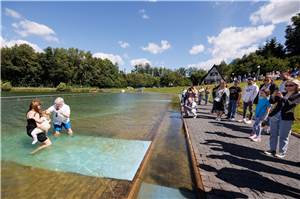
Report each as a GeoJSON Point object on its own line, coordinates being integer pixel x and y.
{"type": "Point", "coordinates": [138, 178]}
{"type": "Point", "coordinates": [198, 179]}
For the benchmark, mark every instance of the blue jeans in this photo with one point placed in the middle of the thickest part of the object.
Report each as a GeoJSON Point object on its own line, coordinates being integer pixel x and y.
{"type": "Point", "coordinates": [206, 99]}
{"type": "Point", "coordinates": [232, 108]}
{"type": "Point", "coordinates": [281, 128]}
{"type": "Point", "coordinates": [257, 125]}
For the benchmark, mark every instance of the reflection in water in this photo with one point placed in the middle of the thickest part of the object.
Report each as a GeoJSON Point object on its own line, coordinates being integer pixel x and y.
{"type": "Point", "coordinates": [122, 116]}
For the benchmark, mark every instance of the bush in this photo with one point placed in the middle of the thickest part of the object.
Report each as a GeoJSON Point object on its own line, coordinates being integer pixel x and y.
{"type": "Point", "coordinates": [6, 86]}
{"type": "Point", "coordinates": [63, 87]}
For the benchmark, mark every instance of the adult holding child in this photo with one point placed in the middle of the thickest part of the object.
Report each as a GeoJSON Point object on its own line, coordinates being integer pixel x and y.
{"type": "Point", "coordinates": [35, 126]}
{"type": "Point", "coordinates": [282, 117]}
{"type": "Point", "coordinates": [61, 117]}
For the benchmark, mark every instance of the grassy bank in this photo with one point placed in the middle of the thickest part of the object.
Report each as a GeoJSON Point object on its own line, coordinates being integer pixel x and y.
{"type": "Point", "coordinates": [178, 90]}
{"type": "Point", "coordinates": [166, 90]}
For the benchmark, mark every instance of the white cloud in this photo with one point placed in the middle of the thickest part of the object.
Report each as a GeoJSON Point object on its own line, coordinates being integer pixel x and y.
{"type": "Point", "coordinates": [196, 49]}
{"type": "Point", "coordinates": [11, 43]}
{"type": "Point", "coordinates": [12, 13]}
{"type": "Point", "coordinates": [275, 12]}
{"type": "Point", "coordinates": [123, 44]}
{"type": "Point", "coordinates": [234, 42]}
{"type": "Point", "coordinates": [140, 62]}
{"type": "Point", "coordinates": [155, 48]}
{"type": "Point", "coordinates": [143, 14]}
{"type": "Point", "coordinates": [26, 28]}
{"type": "Point", "coordinates": [115, 59]}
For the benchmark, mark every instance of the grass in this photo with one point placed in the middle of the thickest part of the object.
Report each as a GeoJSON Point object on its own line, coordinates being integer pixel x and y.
{"type": "Point", "coordinates": [178, 90]}
{"type": "Point", "coordinates": [167, 90]}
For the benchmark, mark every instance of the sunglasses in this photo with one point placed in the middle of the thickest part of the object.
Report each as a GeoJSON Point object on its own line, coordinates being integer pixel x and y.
{"type": "Point", "coordinates": [290, 85]}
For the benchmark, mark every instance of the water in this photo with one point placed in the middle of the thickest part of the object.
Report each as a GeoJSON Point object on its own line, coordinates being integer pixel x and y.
{"type": "Point", "coordinates": [115, 116]}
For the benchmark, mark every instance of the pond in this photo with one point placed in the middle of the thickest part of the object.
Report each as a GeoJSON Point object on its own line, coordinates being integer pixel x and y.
{"type": "Point", "coordinates": [126, 123]}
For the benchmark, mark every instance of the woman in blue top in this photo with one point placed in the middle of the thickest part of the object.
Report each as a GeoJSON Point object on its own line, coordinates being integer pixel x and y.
{"type": "Point", "coordinates": [261, 114]}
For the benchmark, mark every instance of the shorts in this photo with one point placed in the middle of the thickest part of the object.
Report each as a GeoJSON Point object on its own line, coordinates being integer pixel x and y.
{"type": "Point", "coordinates": [58, 127]}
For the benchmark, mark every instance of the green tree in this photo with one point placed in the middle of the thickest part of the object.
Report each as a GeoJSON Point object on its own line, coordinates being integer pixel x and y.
{"type": "Point", "coordinates": [272, 48]}
{"type": "Point", "coordinates": [292, 35]}
{"type": "Point", "coordinates": [20, 66]}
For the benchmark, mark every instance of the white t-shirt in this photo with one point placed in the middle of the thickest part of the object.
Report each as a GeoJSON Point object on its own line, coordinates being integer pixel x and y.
{"type": "Point", "coordinates": [282, 86]}
{"type": "Point", "coordinates": [58, 118]}
{"type": "Point", "coordinates": [250, 93]}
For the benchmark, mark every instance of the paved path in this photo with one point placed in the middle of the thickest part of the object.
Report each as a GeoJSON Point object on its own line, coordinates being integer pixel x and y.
{"type": "Point", "coordinates": [231, 166]}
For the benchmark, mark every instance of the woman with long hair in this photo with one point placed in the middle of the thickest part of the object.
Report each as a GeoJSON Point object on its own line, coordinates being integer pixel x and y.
{"type": "Point", "coordinates": [34, 120]}
{"type": "Point", "coordinates": [221, 99]}
{"type": "Point", "coordinates": [282, 117]}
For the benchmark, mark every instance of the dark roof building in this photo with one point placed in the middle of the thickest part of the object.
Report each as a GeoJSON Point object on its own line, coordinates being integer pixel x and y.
{"type": "Point", "coordinates": [212, 76]}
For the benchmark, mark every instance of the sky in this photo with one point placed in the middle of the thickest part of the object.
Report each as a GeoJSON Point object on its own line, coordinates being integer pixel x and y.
{"type": "Point", "coordinates": [164, 34]}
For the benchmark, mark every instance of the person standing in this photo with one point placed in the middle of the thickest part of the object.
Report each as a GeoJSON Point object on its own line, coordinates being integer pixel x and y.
{"type": "Point", "coordinates": [206, 94]}
{"type": "Point", "coordinates": [249, 94]}
{"type": "Point", "coordinates": [33, 121]}
{"type": "Point", "coordinates": [201, 93]}
{"type": "Point", "coordinates": [282, 117]}
{"type": "Point", "coordinates": [285, 76]}
{"type": "Point", "coordinates": [234, 100]}
{"type": "Point", "coordinates": [268, 85]}
{"type": "Point", "coordinates": [61, 116]}
{"type": "Point", "coordinates": [214, 93]}
{"type": "Point", "coordinates": [261, 114]}
{"type": "Point", "coordinates": [221, 100]}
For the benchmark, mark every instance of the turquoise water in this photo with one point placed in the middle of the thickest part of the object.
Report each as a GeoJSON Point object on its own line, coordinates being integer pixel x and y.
{"type": "Point", "coordinates": [86, 155]}
{"type": "Point", "coordinates": [127, 121]}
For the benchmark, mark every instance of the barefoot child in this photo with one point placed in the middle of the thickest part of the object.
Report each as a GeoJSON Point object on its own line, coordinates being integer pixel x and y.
{"type": "Point", "coordinates": [44, 126]}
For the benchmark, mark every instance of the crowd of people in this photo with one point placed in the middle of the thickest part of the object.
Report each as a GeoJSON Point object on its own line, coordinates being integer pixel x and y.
{"type": "Point", "coordinates": [274, 106]}
{"type": "Point", "coordinates": [38, 121]}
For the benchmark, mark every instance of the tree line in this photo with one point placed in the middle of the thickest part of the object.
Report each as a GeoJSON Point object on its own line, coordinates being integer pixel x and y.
{"type": "Point", "coordinates": [273, 56]}
{"type": "Point", "coordinates": [22, 66]}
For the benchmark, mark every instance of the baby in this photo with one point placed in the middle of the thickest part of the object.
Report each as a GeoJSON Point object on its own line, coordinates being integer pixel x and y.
{"type": "Point", "coordinates": [43, 126]}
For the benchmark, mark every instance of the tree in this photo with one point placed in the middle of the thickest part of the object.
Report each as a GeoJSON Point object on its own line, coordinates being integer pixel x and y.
{"type": "Point", "coordinates": [197, 76]}
{"type": "Point", "coordinates": [20, 66]}
{"type": "Point", "coordinates": [292, 35]}
{"type": "Point", "coordinates": [272, 48]}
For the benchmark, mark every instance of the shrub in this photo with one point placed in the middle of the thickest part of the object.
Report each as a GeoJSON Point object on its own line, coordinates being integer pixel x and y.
{"type": "Point", "coordinates": [6, 86]}
{"type": "Point", "coordinates": [63, 87]}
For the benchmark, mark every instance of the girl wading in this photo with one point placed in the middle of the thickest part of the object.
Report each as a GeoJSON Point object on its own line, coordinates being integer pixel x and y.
{"type": "Point", "coordinates": [34, 120]}
{"type": "Point", "coordinates": [282, 117]}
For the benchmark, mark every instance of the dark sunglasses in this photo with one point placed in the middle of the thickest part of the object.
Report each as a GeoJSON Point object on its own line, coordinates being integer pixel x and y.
{"type": "Point", "coordinates": [290, 85]}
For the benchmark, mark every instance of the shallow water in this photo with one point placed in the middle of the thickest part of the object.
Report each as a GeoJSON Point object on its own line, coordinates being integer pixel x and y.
{"type": "Point", "coordinates": [119, 116]}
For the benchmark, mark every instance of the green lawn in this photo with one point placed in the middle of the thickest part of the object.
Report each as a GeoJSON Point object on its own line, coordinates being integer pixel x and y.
{"type": "Point", "coordinates": [168, 90]}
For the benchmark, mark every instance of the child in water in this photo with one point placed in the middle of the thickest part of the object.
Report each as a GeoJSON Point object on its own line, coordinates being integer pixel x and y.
{"type": "Point", "coordinates": [43, 126]}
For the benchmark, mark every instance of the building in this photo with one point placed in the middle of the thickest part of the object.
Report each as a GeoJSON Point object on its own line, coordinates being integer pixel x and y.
{"type": "Point", "coordinates": [212, 76]}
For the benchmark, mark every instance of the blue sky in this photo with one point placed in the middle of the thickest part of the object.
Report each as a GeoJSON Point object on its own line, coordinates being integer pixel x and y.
{"type": "Point", "coordinates": [170, 34]}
